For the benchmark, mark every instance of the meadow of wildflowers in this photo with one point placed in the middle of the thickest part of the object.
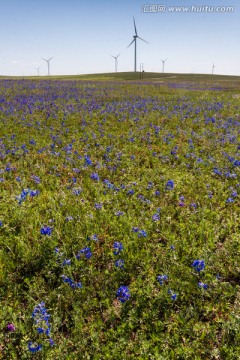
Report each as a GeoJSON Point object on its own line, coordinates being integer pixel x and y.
{"type": "Point", "coordinates": [119, 221]}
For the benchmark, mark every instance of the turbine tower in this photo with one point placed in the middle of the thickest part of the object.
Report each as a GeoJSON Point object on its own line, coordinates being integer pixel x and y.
{"type": "Point", "coordinates": [37, 70]}
{"type": "Point", "coordinates": [163, 63]}
{"type": "Point", "coordinates": [135, 44]}
{"type": "Point", "coordinates": [213, 67]}
{"type": "Point", "coordinates": [116, 61]}
{"type": "Point", "coordinates": [48, 61]}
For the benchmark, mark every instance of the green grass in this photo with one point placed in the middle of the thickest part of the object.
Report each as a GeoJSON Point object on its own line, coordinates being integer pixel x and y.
{"type": "Point", "coordinates": [138, 137]}
{"type": "Point", "coordinates": [147, 76]}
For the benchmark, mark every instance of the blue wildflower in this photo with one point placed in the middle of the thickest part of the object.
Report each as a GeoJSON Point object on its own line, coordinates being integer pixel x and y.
{"type": "Point", "coordinates": [94, 237]}
{"type": "Point", "coordinates": [87, 160]}
{"type": "Point", "coordinates": [94, 176]}
{"type": "Point", "coordinates": [150, 185]}
{"type": "Point", "coordinates": [33, 349]}
{"type": "Point", "coordinates": [193, 205]}
{"type": "Point", "coordinates": [119, 264]}
{"type": "Point", "coordinates": [123, 294]}
{"type": "Point", "coordinates": [46, 230]}
{"type": "Point", "coordinates": [162, 278]}
{"type": "Point", "coordinates": [71, 282]}
{"type": "Point", "coordinates": [66, 262]}
{"type": "Point", "coordinates": [34, 193]}
{"type": "Point", "coordinates": [36, 179]}
{"type": "Point", "coordinates": [202, 285]}
{"type": "Point", "coordinates": [135, 229]}
{"type": "Point", "coordinates": [69, 218]}
{"type": "Point", "coordinates": [41, 319]}
{"type": "Point", "coordinates": [198, 265]}
{"type": "Point", "coordinates": [118, 247]}
{"type": "Point", "coordinates": [142, 233]}
{"type": "Point", "coordinates": [173, 295]}
{"type": "Point", "coordinates": [156, 217]}
{"type": "Point", "coordinates": [51, 341]}
{"type": "Point", "coordinates": [77, 191]}
{"type": "Point", "coordinates": [40, 330]}
{"type": "Point", "coordinates": [85, 252]}
{"type": "Point", "coordinates": [98, 206]}
{"type": "Point", "coordinates": [170, 185]}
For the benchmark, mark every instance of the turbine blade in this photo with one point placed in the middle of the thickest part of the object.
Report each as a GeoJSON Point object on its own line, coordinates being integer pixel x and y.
{"type": "Point", "coordinates": [135, 26]}
{"type": "Point", "coordinates": [143, 40]}
{"type": "Point", "coordinates": [118, 55]}
{"type": "Point", "coordinates": [131, 43]}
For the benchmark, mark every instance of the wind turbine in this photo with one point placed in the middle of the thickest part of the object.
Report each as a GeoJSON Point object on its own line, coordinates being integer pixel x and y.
{"type": "Point", "coordinates": [163, 63]}
{"type": "Point", "coordinates": [213, 67]}
{"type": "Point", "coordinates": [47, 61]}
{"type": "Point", "coordinates": [135, 41]}
{"type": "Point", "coordinates": [37, 70]}
{"type": "Point", "coordinates": [116, 61]}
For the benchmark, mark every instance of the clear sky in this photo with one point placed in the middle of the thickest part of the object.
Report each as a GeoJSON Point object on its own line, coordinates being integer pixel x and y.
{"type": "Point", "coordinates": [81, 36]}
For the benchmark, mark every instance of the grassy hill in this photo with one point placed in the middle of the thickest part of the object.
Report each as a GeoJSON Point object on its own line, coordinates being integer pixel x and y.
{"type": "Point", "coordinates": [147, 76]}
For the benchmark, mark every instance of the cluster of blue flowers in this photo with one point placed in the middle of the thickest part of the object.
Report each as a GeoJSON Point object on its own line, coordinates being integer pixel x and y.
{"type": "Point", "coordinates": [198, 265]}
{"type": "Point", "coordinates": [87, 160]}
{"type": "Point", "coordinates": [25, 193]}
{"type": "Point", "coordinates": [142, 233]}
{"type": "Point", "coordinates": [41, 321]}
{"type": "Point", "coordinates": [76, 191]}
{"type": "Point", "coordinates": [123, 293]}
{"type": "Point", "coordinates": [202, 285]}
{"type": "Point", "coordinates": [84, 252]}
{"type": "Point", "coordinates": [94, 176]}
{"type": "Point", "coordinates": [156, 216]}
{"type": "Point", "coordinates": [170, 185]}
{"type": "Point", "coordinates": [162, 278]}
{"type": "Point", "coordinates": [119, 263]}
{"type": "Point", "coordinates": [46, 230]}
{"type": "Point", "coordinates": [173, 294]}
{"type": "Point", "coordinates": [118, 247]}
{"type": "Point", "coordinates": [73, 284]}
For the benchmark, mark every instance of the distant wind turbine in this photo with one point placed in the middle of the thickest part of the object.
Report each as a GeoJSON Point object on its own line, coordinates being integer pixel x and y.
{"type": "Point", "coordinates": [213, 67]}
{"type": "Point", "coordinates": [37, 70]}
{"type": "Point", "coordinates": [116, 61]}
{"type": "Point", "coordinates": [163, 63]}
{"type": "Point", "coordinates": [48, 61]}
{"type": "Point", "coordinates": [135, 41]}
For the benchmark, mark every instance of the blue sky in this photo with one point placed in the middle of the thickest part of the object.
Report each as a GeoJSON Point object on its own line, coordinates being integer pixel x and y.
{"type": "Point", "coordinates": [81, 36]}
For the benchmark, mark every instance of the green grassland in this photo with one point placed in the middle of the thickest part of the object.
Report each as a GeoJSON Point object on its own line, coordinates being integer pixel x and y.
{"type": "Point", "coordinates": [92, 162]}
